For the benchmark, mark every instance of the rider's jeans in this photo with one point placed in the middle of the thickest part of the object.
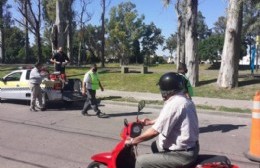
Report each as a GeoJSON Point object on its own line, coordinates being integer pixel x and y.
{"type": "Point", "coordinates": [168, 159]}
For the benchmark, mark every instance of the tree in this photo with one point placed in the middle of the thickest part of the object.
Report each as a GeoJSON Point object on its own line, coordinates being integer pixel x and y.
{"type": "Point", "coordinates": [202, 29]}
{"type": "Point", "coordinates": [92, 42]}
{"type": "Point", "coordinates": [210, 48]}
{"type": "Point", "coordinates": [69, 27]}
{"type": "Point", "coordinates": [251, 17]}
{"type": "Point", "coordinates": [180, 8]}
{"type": "Point", "coordinates": [59, 17]}
{"type": "Point", "coordinates": [150, 40]}
{"type": "Point", "coordinates": [220, 25]}
{"type": "Point", "coordinates": [124, 28]}
{"type": "Point", "coordinates": [191, 42]}
{"type": "Point", "coordinates": [34, 18]}
{"type": "Point", "coordinates": [187, 20]}
{"type": "Point", "coordinates": [84, 17]}
{"type": "Point", "coordinates": [25, 8]}
{"type": "Point", "coordinates": [14, 45]}
{"type": "Point", "coordinates": [171, 43]}
{"type": "Point", "coordinates": [49, 14]}
{"type": "Point", "coordinates": [59, 27]}
{"type": "Point", "coordinates": [228, 74]}
{"type": "Point", "coordinates": [103, 32]}
{"type": "Point", "coordinates": [2, 37]}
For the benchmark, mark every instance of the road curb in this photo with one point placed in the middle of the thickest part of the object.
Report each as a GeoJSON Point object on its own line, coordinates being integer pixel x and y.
{"type": "Point", "coordinates": [199, 110]}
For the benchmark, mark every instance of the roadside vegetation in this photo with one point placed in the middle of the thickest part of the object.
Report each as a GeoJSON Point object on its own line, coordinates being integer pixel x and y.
{"type": "Point", "coordinates": [113, 79]}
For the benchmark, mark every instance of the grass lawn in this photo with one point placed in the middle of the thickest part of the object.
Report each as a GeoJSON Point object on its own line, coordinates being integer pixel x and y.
{"type": "Point", "coordinates": [112, 78]}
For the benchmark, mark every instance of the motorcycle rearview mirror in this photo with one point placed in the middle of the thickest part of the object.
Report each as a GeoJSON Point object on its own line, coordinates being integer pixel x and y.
{"type": "Point", "coordinates": [126, 122]}
{"type": "Point", "coordinates": [141, 105]}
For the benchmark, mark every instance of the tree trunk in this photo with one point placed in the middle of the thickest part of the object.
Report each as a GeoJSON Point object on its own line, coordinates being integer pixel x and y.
{"type": "Point", "coordinates": [26, 30]}
{"type": "Point", "coordinates": [69, 32]}
{"type": "Point", "coordinates": [2, 44]}
{"type": "Point", "coordinates": [181, 32]}
{"type": "Point", "coordinates": [182, 40]}
{"type": "Point", "coordinates": [60, 24]}
{"type": "Point", "coordinates": [39, 44]}
{"type": "Point", "coordinates": [179, 16]}
{"type": "Point", "coordinates": [69, 43]}
{"type": "Point", "coordinates": [103, 33]}
{"type": "Point", "coordinates": [79, 53]}
{"type": "Point", "coordinates": [191, 42]}
{"type": "Point", "coordinates": [228, 74]}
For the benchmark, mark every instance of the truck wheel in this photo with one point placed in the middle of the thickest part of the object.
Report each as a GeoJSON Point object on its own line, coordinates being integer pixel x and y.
{"type": "Point", "coordinates": [96, 165]}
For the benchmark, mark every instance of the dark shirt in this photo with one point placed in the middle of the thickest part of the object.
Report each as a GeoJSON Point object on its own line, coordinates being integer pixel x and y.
{"type": "Point", "coordinates": [60, 57]}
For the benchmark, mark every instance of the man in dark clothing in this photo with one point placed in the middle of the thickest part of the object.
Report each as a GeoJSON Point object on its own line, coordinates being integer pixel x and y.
{"type": "Point", "coordinates": [60, 59]}
{"type": "Point", "coordinates": [182, 70]}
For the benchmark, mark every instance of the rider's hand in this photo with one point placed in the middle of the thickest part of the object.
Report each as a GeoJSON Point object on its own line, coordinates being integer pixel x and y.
{"type": "Point", "coordinates": [145, 121]}
{"type": "Point", "coordinates": [129, 142]}
{"type": "Point", "coordinates": [57, 62]}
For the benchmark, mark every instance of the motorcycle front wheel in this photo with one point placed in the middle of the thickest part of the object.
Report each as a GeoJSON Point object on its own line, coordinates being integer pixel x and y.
{"type": "Point", "coordinates": [96, 165]}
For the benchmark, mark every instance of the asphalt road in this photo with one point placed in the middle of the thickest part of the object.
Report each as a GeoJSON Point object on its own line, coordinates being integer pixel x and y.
{"type": "Point", "coordinates": [62, 138]}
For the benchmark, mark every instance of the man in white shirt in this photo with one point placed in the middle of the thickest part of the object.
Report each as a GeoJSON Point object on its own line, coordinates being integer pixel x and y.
{"type": "Point", "coordinates": [35, 81]}
{"type": "Point", "coordinates": [176, 127]}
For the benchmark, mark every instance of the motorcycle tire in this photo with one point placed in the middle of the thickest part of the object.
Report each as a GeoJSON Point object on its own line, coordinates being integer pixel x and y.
{"type": "Point", "coordinates": [96, 165]}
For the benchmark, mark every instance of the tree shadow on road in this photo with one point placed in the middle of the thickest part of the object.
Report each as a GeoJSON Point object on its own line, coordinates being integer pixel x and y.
{"type": "Point", "coordinates": [206, 82]}
{"type": "Point", "coordinates": [248, 82]}
{"type": "Point", "coordinates": [127, 114]}
{"type": "Point", "coordinates": [109, 98]}
{"type": "Point", "coordinates": [19, 102]}
{"type": "Point", "coordinates": [220, 127]}
{"type": "Point", "coordinates": [65, 106]}
{"type": "Point", "coordinates": [23, 162]}
{"type": "Point", "coordinates": [55, 105]}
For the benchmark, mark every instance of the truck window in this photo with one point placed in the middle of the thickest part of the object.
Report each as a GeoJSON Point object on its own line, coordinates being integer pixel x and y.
{"type": "Point", "coordinates": [14, 77]}
{"type": "Point", "coordinates": [28, 74]}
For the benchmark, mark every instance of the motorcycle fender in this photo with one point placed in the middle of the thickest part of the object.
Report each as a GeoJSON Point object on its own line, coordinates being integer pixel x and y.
{"type": "Point", "coordinates": [105, 157]}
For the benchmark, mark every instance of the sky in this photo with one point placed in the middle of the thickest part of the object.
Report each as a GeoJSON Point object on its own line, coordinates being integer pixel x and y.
{"type": "Point", "coordinates": [164, 17]}
{"type": "Point", "coordinates": [154, 11]}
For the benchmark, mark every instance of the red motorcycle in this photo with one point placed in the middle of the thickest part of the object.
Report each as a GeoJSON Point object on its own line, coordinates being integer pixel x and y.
{"type": "Point", "coordinates": [123, 156]}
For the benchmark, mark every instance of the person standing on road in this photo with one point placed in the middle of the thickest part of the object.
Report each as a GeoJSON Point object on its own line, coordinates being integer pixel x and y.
{"type": "Point", "coordinates": [176, 127]}
{"type": "Point", "coordinates": [60, 60]}
{"type": "Point", "coordinates": [35, 79]}
{"type": "Point", "coordinates": [188, 88]}
{"type": "Point", "coordinates": [91, 83]}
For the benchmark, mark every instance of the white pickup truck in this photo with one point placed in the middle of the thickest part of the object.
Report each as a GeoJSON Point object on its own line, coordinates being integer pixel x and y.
{"type": "Point", "coordinates": [15, 85]}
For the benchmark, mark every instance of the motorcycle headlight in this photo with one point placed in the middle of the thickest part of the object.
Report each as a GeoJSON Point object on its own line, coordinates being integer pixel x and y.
{"type": "Point", "coordinates": [136, 130]}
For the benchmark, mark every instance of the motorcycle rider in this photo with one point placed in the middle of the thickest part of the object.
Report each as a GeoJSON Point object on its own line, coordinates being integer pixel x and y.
{"type": "Point", "coordinates": [176, 127]}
